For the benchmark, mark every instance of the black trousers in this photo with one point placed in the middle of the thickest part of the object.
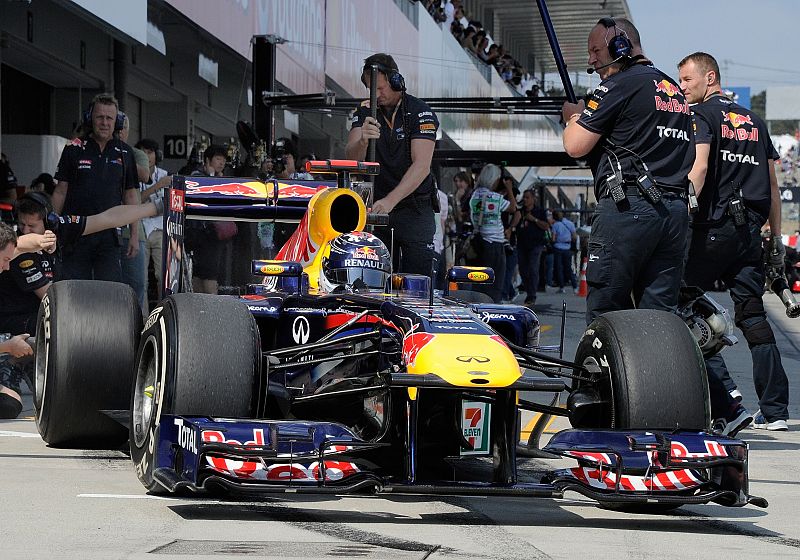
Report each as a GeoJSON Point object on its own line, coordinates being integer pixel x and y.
{"type": "Point", "coordinates": [414, 227]}
{"type": "Point", "coordinates": [493, 255]}
{"type": "Point", "coordinates": [734, 255]}
{"type": "Point", "coordinates": [636, 254]}
{"type": "Point", "coordinates": [93, 257]}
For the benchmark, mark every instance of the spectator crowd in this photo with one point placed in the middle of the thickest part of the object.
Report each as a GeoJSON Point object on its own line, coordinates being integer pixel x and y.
{"type": "Point", "coordinates": [477, 41]}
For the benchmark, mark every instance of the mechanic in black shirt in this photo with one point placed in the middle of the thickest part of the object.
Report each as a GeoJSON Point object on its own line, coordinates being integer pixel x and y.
{"type": "Point", "coordinates": [95, 173]}
{"type": "Point", "coordinates": [405, 134]}
{"type": "Point", "coordinates": [30, 273]}
{"type": "Point", "coordinates": [735, 179]}
{"type": "Point", "coordinates": [636, 131]}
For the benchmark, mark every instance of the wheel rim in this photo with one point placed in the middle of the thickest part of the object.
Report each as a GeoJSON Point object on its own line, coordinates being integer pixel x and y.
{"type": "Point", "coordinates": [145, 395]}
{"type": "Point", "coordinates": [607, 419]}
{"type": "Point", "coordinates": [42, 349]}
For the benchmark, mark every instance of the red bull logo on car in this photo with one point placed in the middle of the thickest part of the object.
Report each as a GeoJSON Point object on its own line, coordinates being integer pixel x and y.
{"type": "Point", "coordinates": [252, 189]}
{"type": "Point", "coordinates": [234, 189]}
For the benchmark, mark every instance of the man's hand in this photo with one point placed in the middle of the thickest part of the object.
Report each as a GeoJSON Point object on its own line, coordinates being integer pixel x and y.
{"type": "Point", "coordinates": [776, 253]}
{"type": "Point", "coordinates": [163, 182]}
{"type": "Point", "coordinates": [133, 248]}
{"type": "Point", "coordinates": [370, 130]}
{"type": "Point", "coordinates": [48, 242]}
{"type": "Point", "coordinates": [569, 109]}
{"type": "Point", "coordinates": [17, 346]}
{"type": "Point", "coordinates": [382, 206]}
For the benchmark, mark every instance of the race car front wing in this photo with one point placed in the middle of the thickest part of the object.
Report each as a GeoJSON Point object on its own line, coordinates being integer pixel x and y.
{"type": "Point", "coordinates": [616, 467]}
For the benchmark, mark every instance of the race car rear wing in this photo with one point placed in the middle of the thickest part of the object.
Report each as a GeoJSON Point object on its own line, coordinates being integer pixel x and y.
{"type": "Point", "coordinates": [274, 200]}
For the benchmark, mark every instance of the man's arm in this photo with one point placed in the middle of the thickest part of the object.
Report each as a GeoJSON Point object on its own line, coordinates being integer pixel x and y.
{"type": "Point", "coordinates": [578, 141]}
{"type": "Point", "coordinates": [59, 196]}
{"type": "Point", "coordinates": [512, 200]}
{"type": "Point", "coordinates": [118, 216]}
{"type": "Point", "coordinates": [33, 242]}
{"type": "Point", "coordinates": [358, 139]}
{"type": "Point", "coordinates": [698, 173]}
{"type": "Point", "coordinates": [40, 292]}
{"type": "Point", "coordinates": [775, 206]}
{"type": "Point", "coordinates": [132, 197]}
{"type": "Point", "coordinates": [421, 156]}
{"type": "Point", "coordinates": [155, 187]}
{"type": "Point", "coordinates": [17, 346]}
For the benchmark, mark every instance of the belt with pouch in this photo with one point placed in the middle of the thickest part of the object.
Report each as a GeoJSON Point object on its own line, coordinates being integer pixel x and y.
{"type": "Point", "coordinates": [632, 189]}
{"type": "Point", "coordinates": [678, 192]}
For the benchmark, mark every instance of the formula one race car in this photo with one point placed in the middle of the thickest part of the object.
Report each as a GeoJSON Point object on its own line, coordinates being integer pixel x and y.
{"type": "Point", "coordinates": [336, 375]}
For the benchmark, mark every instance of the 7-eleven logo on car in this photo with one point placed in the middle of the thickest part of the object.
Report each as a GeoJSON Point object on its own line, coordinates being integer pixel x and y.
{"type": "Point", "coordinates": [475, 422]}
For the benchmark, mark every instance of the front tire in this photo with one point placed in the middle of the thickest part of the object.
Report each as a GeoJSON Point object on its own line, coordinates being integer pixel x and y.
{"type": "Point", "coordinates": [200, 355]}
{"type": "Point", "coordinates": [652, 373]}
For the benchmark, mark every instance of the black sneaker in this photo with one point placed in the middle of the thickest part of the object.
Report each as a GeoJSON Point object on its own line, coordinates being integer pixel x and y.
{"type": "Point", "coordinates": [740, 420]}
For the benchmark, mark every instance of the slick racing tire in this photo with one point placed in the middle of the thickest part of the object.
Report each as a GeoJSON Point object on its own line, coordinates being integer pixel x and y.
{"type": "Point", "coordinates": [87, 333]}
{"type": "Point", "coordinates": [199, 355]}
{"type": "Point", "coordinates": [651, 373]}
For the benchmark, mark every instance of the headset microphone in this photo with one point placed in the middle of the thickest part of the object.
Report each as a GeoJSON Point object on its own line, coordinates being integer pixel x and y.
{"type": "Point", "coordinates": [593, 70]}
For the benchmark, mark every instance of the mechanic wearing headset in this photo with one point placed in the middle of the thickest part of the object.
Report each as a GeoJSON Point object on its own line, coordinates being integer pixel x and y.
{"type": "Point", "coordinates": [405, 135]}
{"type": "Point", "coordinates": [31, 273]}
{"type": "Point", "coordinates": [636, 132]}
{"type": "Point", "coordinates": [95, 173]}
{"type": "Point", "coordinates": [16, 349]}
{"type": "Point", "coordinates": [737, 192]}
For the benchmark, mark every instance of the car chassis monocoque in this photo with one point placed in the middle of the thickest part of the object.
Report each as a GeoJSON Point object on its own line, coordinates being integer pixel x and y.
{"type": "Point", "coordinates": [287, 388]}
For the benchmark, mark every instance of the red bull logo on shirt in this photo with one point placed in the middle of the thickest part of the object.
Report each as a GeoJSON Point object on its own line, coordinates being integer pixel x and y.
{"type": "Point", "coordinates": [664, 86]}
{"type": "Point", "coordinates": [673, 104]}
{"type": "Point", "coordinates": [736, 119]}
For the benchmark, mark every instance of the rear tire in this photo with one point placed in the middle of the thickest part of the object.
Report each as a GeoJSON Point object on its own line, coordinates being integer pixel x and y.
{"type": "Point", "coordinates": [200, 355]}
{"type": "Point", "coordinates": [87, 333]}
{"type": "Point", "coordinates": [653, 376]}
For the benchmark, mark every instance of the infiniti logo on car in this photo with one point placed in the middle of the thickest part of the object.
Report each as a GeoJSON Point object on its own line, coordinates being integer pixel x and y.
{"type": "Point", "coordinates": [300, 330]}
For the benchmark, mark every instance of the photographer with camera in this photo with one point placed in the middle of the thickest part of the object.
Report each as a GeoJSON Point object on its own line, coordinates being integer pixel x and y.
{"type": "Point", "coordinates": [405, 136]}
{"type": "Point", "coordinates": [281, 165]}
{"type": "Point", "coordinates": [737, 188]}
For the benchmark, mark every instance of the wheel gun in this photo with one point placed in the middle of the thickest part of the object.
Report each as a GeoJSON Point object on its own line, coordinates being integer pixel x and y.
{"type": "Point", "coordinates": [776, 280]}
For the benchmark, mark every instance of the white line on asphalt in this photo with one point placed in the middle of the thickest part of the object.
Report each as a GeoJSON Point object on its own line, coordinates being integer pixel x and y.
{"type": "Point", "coordinates": [168, 498]}
{"type": "Point", "coordinates": [6, 433]}
{"type": "Point", "coordinates": [126, 496]}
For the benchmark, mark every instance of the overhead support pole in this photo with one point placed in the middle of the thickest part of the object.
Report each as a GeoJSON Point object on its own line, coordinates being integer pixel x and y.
{"type": "Point", "coordinates": [265, 50]}
{"type": "Point", "coordinates": [557, 55]}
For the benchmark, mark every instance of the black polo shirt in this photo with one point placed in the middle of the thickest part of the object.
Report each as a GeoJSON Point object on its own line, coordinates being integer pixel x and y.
{"type": "Point", "coordinates": [26, 273]}
{"type": "Point", "coordinates": [529, 234]}
{"type": "Point", "coordinates": [30, 271]}
{"type": "Point", "coordinates": [740, 153]}
{"type": "Point", "coordinates": [96, 179]}
{"type": "Point", "coordinates": [393, 149]}
{"type": "Point", "coordinates": [643, 110]}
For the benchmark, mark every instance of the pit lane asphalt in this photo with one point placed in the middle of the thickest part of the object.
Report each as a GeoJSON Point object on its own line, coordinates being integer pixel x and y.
{"type": "Point", "coordinates": [88, 504]}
